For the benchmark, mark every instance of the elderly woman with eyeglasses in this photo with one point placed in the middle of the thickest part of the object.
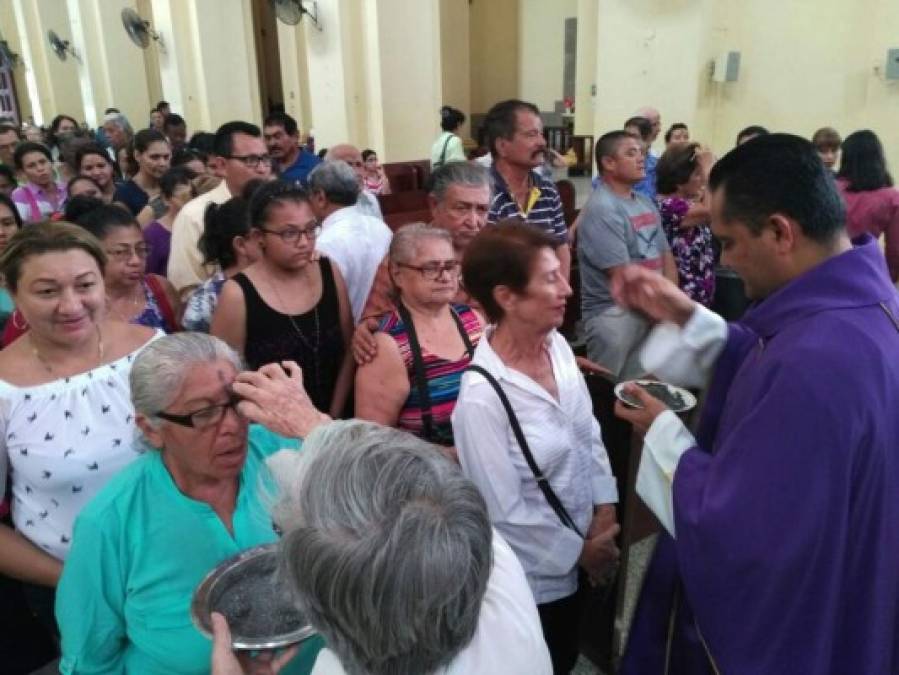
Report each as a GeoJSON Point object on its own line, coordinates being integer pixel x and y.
{"type": "Point", "coordinates": [142, 546]}
{"type": "Point", "coordinates": [424, 344]}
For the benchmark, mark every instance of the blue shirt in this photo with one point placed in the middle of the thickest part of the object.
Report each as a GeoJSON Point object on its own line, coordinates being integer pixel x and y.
{"type": "Point", "coordinates": [139, 551]}
{"type": "Point", "coordinates": [299, 170]}
{"type": "Point", "coordinates": [647, 186]}
{"type": "Point", "coordinates": [543, 210]}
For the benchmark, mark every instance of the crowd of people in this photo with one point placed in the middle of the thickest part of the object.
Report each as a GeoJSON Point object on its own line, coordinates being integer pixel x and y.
{"type": "Point", "coordinates": [192, 324]}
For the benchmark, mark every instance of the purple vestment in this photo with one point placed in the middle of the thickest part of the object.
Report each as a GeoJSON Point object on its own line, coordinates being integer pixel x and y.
{"type": "Point", "coordinates": [787, 512]}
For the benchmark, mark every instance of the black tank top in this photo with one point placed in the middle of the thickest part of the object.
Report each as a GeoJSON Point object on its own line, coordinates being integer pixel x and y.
{"type": "Point", "coordinates": [314, 339]}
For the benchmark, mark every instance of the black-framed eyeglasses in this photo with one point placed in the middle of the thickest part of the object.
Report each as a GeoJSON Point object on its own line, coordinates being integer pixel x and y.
{"type": "Point", "coordinates": [433, 270]}
{"type": "Point", "coordinates": [204, 417]}
{"type": "Point", "coordinates": [252, 161]}
{"type": "Point", "coordinates": [292, 234]}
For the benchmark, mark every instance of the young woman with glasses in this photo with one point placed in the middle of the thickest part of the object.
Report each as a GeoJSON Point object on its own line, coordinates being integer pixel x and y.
{"type": "Point", "coordinates": [289, 305]}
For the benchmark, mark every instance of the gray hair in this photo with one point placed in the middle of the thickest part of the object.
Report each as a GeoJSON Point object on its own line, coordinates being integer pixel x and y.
{"type": "Point", "coordinates": [119, 120]}
{"type": "Point", "coordinates": [159, 370]}
{"type": "Point", "coordinates": [468, 174]}
{"type": "Point", "coordinates": [387, 546]}
{"type": "Point", "coordinates": [337, 180]}
{"type": "Point", "coordinates": [405, 241]}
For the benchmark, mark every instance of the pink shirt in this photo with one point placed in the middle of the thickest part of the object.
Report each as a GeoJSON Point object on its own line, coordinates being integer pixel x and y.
{"type": "Point", "coordinates": [876, 212]}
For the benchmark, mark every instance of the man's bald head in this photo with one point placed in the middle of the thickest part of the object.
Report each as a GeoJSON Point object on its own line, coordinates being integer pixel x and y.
{"type": "Point", "coordinates": [654, 118]}
{"type": "Point", "coordinates": [351, 155]}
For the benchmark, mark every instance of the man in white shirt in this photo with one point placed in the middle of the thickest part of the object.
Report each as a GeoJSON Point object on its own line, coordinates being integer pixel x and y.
{"type": "Point", "coordinates": [354, 241]}
{"type": "Point", "coordinates": [239, 155]}
{"type": "Point", "coordinates": [367, 202]}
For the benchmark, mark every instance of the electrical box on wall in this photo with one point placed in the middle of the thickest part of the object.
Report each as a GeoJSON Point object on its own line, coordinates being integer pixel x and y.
{"type": "Point", "coordinates": [727, 67]}
{"type": "Point", "coordinates": [892, 70]}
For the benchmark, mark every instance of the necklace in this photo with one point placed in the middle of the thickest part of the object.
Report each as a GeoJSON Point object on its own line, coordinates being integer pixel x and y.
{"type": "Point", "coordinates": [135, 304]}
{"type": "Point", "coordinates": [314, 344]}
{"type": "Point", "coordinates": [46, 364]}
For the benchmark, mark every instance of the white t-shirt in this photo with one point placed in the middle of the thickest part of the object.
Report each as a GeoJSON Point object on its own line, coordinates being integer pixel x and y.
{"type": "Point", "coordinates": [357, 244]}
{"type": "Point", "coordinates": [60, 442]}
{"type": "Point", "coordinates": [508, 639]}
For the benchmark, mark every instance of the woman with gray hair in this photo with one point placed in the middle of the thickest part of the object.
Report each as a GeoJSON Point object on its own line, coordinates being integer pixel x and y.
{"type": "Point", "coordinates": [424, 344]}
{"type": "Point", "coordinates": [142, 546]}
{"type": "Point", "coordinates": [391, 555]}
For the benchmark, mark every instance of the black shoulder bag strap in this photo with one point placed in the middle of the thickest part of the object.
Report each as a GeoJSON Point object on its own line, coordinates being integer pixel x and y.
{"type": "Point", "coordinates": [542, 481]}
{"type": "Point", "coordinates": [418, 366]}
{"type": "Point", "coordinates": [442, 160]}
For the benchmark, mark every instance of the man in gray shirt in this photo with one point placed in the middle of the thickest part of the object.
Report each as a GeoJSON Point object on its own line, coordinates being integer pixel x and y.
{"type": "Point", "coordinates": [618, 227]}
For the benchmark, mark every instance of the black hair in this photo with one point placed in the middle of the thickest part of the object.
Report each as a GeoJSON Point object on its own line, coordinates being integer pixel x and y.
{"type": "Point", "coordinates": [74, 179]}
{"type": "Point", "coordinates": [501, 119]}
{"type": "Point", "coordinates": [863, 165]}
{"type": "Point", "coordinates": [779, 173]}
{"type": "Point", "coordinates": [321, 153]}
{"type": "Point", "coordinates": [173, 120]}
{"type": "Point", "coordinates": [368, 153]}
{"type": "Point", "coordinates": [250, 187]}
{"type": "Point", "coordinates": [78, 205]}
{"type": "Point", "coordinates": [752, 130]}
{"type": "Point", "coordinates": [183, 155]}
{"type": "Point", "coordinates": [6, 128]}
{"type": "Point", "coordinates": [607, 145]}
{"type": "Point", "coordinates": [54, 128]}
{"type": "Point", "coordinates": [144, 138]}
{"type": "Point", "coordinates": [221, 224]}
{"type": "Point", "coordinates": [674, 127]}
{"type": "Point", "coordinates": [102, 220]}
{"type": "Point", "coordinates": [202, 141]}
{"type": "Point", "coordinates": [111, 110]}
{"type": "Point", "coordinates": [8, 172]}
{"type": "Point", "coordinates": [27, 147]}
{"type": "Point", "coordinates": [451, 118]}
{"type": "Point", "coordinates": [161, 104]}
{"type": "Point", "coordinates": [8, 203]}
{"type": "Point", "coordinates": [644, 126]}
{"type": "Point", "coordinates": [171, 179]}
{"type": "Point", "coordinates": [223, 145]}
{"type": "Point", "coordinates": [273, 192]}
{"type": "Point", "coordinates": [283, 120]}
{"type": "Point", "coordinates": [90, 149]}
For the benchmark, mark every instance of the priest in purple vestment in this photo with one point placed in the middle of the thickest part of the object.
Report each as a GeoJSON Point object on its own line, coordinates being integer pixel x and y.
{"type": "Point", "coordinates": [781, 546]}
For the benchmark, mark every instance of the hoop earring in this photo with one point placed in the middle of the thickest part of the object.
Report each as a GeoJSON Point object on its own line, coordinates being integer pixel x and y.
{"type": "Point", "coordinates": [15, 323]}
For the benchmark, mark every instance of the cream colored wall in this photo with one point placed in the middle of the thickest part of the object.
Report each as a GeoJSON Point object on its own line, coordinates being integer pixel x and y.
{"type": "Point", "coordinates": [295, 74]}
{"type": "Point", "coordinates": [541, 49]}
{"type": "Point", "coordinates": [494, 28]}
{"type": "Point", "coordinates": [455, 59]}
{"type": "Point", "coordinates": [585, 67]}
{"type": "Point", "coordinates": [813, 66]}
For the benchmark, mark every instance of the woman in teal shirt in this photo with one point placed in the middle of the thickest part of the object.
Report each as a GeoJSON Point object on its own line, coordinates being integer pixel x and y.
{"type": "Point", "coordinates": [142, 546]}
{"type": "Point", "coordinates": [10, 223]}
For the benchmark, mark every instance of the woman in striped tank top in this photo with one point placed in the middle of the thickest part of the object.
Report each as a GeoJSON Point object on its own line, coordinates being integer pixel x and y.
{"type": "Point", "coordinates": [424, 344]}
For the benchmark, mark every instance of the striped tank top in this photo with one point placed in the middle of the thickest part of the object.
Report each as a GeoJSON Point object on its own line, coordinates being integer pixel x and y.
{"type": "Point", "coordinates": [441, 377]}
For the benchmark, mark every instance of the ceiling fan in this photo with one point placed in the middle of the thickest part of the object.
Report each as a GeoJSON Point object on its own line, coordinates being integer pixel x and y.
{"type": "Point", "coordinates": [139, 29]}
{"type": "Point", "coordinates": [62, 48]}
{"type": "Point", "coordinates": [291, 11]}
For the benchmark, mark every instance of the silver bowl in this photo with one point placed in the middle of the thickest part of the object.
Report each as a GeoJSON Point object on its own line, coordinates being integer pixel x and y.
{"type": "Point", "coordinates": [246, 589]}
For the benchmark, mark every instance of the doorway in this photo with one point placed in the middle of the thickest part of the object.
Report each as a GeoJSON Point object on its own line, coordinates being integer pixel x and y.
{"type": "Point", "coordinates": [268, 57]}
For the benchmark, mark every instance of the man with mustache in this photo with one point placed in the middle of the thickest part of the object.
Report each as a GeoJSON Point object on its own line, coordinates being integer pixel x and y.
{"type": "Point", "coordinates": [515, 139]}
{"type": "Point", "coordinates": [618, 226]}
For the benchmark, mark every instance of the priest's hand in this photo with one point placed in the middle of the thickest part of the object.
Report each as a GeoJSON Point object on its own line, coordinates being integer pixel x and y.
{"type": "Point", "coordinates": [643, 290]}
{"type": "Point", "coordinates": [226, 662]}
{"type": "Point", "coordinates": [640, 418]}
{"type": "Point", "coordinates": [275, 398]}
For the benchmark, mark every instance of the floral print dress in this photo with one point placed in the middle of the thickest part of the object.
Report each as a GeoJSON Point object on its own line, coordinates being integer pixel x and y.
{"type": "Point", "coordinates": [692, 248]}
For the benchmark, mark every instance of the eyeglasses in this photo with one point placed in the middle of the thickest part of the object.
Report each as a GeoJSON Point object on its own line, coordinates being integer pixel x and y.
{"type": "Point", "coordinates": [433, 270]}
{"type": "Point", "coordinates": [124, 252]}
{"type": "Point", "coordinates": [292, 234]}
{"type": "Point", "coordinates": [204, 418]}
{"type": "Point", "coordinates": [252, 161]}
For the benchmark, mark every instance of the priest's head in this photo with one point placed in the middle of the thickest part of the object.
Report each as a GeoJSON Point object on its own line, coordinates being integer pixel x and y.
{"type": "Point", "coordinates": [776, 211]}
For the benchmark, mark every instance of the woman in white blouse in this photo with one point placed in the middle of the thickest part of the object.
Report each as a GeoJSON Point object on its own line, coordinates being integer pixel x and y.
{"type": "Point", "coordinates": [66, 419]}
{"type": "Point", "coordinates": [513, 272]}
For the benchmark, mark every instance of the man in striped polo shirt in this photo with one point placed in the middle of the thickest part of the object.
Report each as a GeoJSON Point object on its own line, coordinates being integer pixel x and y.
{"type": "Point", "coordinates": [515, 138]}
